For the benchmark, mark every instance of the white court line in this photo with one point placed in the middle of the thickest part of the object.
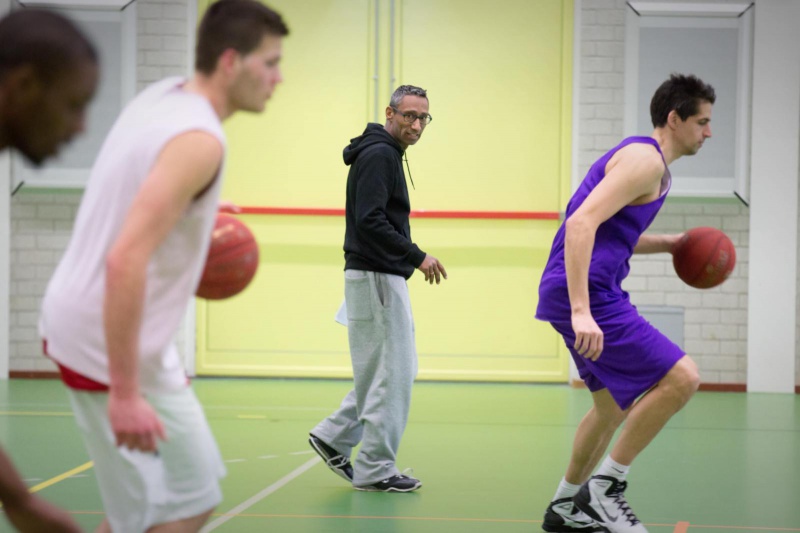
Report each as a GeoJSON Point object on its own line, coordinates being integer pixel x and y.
{"type": "Point", "coordinates": [261, 495]}
{"type": "Point", "coordinates": [256, 407]}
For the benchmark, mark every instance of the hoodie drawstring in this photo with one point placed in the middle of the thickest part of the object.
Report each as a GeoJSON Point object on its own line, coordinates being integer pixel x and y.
{"type": "Point", "coordinates": [405, 158]}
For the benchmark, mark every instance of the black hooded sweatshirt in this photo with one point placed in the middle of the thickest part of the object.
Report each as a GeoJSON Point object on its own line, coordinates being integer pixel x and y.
{"type": "Point", "coordinates": [377, 234]}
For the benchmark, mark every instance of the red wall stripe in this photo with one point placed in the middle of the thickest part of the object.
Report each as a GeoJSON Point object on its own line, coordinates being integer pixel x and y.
{"type": "Point", "coordinates": [422, 213]}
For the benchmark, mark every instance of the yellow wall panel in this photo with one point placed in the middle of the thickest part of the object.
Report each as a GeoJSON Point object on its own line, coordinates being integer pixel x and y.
{"type": "Point", "coordinates": [284, 319]}
{"type": "Point", "coordinates": [499, 77]}
{"type": "Point", "coordinates": [291, 155]}
{"type": "Point", "coordinates": [495, 76]}
{"type": "Point", "coordinates": [477, 325]}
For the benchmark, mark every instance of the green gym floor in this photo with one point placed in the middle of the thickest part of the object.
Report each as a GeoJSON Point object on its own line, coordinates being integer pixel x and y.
{"type": "Point", "coordinates": [489, 456]}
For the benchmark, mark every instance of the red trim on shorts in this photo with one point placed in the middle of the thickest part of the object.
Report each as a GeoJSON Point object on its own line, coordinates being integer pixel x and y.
{"type": "Point", "coordinates": [74, 380]}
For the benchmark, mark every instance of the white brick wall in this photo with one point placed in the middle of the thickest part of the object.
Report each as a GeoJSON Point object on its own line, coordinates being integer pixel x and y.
{"type": "Point", "coordinates": [162, 38]}
{"type": "Point", "coordinates": [715, 330]}
{"type": "Point", "coordinates": [41, 221]}
{"type": "Point", "coordinates": [41, 224]}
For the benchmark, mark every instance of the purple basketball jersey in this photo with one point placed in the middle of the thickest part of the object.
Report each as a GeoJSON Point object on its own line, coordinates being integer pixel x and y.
{"type": "Point", "coordinates": [613, 247]}
{"type": "Point", "coordinates": [635, 355]}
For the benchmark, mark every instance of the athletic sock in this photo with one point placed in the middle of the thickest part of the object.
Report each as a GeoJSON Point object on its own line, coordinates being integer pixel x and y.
{"type": "Point", "coordinates": [566, 490]}
{"type": "Point", "coordinates": [613, 469]}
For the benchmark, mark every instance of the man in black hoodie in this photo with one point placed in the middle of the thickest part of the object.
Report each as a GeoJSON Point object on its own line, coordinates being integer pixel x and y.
{"type": "Point", "coordinates": [379, 257]}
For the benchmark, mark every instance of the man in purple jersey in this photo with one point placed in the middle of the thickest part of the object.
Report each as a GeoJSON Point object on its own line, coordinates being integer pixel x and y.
{"type": "Point", "coordinates": [618, 353]}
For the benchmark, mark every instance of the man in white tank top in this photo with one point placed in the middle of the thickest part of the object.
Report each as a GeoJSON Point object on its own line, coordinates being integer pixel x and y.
{"type": "Point", "coordinates": [48, 75]}
{"type": "Point", "coordinates": [132, 266]}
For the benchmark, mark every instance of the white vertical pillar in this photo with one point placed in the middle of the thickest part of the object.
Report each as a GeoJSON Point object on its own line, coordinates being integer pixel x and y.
{"type": "Point", "coordinates": [5, 260]}
{"type": "Point", "coordinates": [188, 334]}
{"type": "Point", "coordinates": [575, 178]}
{"type": "Point", "coordinates": [5, 246]}
{"type": "Point", "coordinates": [772, 285]}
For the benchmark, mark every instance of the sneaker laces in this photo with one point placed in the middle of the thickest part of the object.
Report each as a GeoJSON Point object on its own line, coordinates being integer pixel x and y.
{"type": "Point", "coordinates": [337, 461]}
{"type": "Point", "coordinates": [617, 493]}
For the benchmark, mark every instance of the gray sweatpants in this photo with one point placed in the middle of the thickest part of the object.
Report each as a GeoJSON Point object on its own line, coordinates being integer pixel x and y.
{"type": "Point", "coordinates": [384, 356]}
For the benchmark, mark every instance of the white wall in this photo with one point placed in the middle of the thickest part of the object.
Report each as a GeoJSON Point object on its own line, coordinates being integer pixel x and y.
{"type": "Point", "coordinates": [715, 331]}
{"type": "Point", "coordinates": [5, 232]}
{"type": "Point", "coordinates": [41, 221]}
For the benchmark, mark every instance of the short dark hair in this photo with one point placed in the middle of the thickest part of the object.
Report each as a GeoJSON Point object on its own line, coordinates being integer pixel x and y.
{"type": "Point", "coordinates": [48, 41]}
{"type": "Point", "coordinates": [683, 93]}
{"type": "Point", "coordinates": [237, 24]}
{"type": "Point", "coordinates": [405, 90]}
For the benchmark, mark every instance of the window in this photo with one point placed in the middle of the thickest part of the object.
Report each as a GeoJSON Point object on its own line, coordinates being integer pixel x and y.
{"type": "Point", "coordinates": [111, 25]}
{"type": "Point", "coordinates": [713, 42]}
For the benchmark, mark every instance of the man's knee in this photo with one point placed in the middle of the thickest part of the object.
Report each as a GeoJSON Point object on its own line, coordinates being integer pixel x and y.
{"type": "Point", "coordinates": [684, 378]}
{"type": "Point", "coordinates": [607, 411]}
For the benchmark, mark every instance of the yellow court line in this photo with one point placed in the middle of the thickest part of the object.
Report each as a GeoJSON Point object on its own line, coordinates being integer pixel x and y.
{"type": "Point", "coordinates": [35, 413]}
{"type": "Point", "coordinates": [60, 477]}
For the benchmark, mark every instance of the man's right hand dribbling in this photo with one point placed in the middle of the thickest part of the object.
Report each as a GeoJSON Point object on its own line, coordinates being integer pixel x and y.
{"type": "Point", "coordinates": [135, 423]}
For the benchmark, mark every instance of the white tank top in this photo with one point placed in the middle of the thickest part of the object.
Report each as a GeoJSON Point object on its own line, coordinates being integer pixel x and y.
{"type": "Point", "coordinates": [72, 311]}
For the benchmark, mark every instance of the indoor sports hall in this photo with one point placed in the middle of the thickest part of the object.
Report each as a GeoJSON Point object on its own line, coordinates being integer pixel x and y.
{"type": "Point", "coordinates": [524, 96]}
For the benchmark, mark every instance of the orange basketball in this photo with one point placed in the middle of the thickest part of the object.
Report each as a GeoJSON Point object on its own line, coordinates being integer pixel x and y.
{"type": "Point", "coordinates": [704, 257]}
{"type": "Point", "coordinates": [232, 259]}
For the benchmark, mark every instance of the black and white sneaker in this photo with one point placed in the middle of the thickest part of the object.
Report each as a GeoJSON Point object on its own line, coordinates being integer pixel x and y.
{"type": "Point", "coordinates": [337, 462]}
{"type": "Point", "coordinates": [603, 499]}
{"type": "Point", "coordinates": [397, 483]}
{"type": "Point", "coordinates": [563, 517]}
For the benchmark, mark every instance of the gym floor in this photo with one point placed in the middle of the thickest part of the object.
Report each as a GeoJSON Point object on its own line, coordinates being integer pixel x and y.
{"type": "Point", "coordinates": [489, 455]}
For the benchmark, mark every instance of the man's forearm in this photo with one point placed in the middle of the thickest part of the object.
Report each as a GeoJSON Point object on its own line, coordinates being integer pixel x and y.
{"type": "Point", "coordinates": [12, 489]}
{"type": "Point", "coordinates": [578, 245]}
{"type": "Point", "coordinates": [122, 315]}
{"type": "Point", "coordinates": [655, 244]}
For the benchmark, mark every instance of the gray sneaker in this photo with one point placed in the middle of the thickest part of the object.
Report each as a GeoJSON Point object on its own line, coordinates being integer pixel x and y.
{"type": "Point", "coordinates": [337, 462]}
{"type": "Point", "coordinates": [603, 499]}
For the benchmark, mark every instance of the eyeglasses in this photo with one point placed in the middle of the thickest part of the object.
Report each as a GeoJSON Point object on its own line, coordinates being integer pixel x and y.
{"type": "Point", "coordinates": [410, 118]}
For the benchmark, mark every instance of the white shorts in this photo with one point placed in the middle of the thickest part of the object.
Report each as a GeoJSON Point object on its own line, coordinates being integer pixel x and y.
{"type": "Point", "coordinates": [140, 490]}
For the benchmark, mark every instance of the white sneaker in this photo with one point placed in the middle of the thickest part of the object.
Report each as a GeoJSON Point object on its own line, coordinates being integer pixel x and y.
{"type": "Point", "coordinates": [563, 517]}
{"type": "Point", "coordinates": [603, 499]}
